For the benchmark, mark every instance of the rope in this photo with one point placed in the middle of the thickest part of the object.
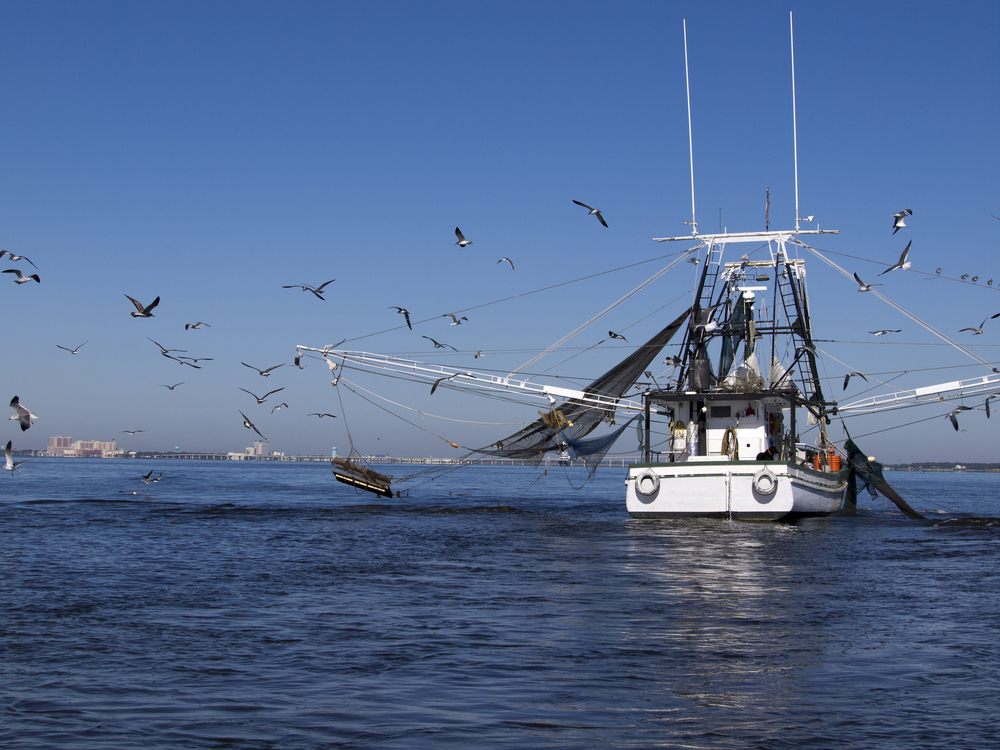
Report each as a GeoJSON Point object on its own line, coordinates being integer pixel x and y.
{"type": "Point", "coordinates": [899, 308]}
{"type": "Point", "coordinates": [599, 315]}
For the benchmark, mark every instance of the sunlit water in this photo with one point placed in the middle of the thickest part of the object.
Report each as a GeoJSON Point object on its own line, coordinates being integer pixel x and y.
{"type": "Point", "coordinates": [264, 605]}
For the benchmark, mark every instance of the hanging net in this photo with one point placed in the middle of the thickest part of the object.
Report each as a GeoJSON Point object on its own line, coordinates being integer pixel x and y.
{"type": "Point", "coordinates": [563, 427]}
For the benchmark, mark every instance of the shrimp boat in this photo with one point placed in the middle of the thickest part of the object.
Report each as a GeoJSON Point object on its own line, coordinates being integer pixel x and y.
{"type": "Point", "coordinates": [721, 437]}
{"type": "Point", "coordinates": [731, 424]}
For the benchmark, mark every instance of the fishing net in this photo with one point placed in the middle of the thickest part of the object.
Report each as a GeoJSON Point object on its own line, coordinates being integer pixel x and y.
{"type": "Point", "coordinates": [563, 427]}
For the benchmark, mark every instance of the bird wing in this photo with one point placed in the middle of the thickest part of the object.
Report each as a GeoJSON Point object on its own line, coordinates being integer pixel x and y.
{"type": "Point", "coordinates": [509, 261]}
{"type": "Point", "coordinates": [134, 301]}
{"type": "Point", "coordinates": [251, 366]}
{"type": "Point", "coordinates": [274, 391]}
{"type": "Point", "coordinates": [906, 251]}
{"type": "Point", "coordinates": [600, 218]}
{"type": "Point", "coordinates": [272, 368]}
{"type": "Point", "coordinates": [858, 279]}
{"type": "Point", "coordinates": [152, 304]}
{"type": "Point", "coordinates": [583, 204]}
{"type": "Point", "coordinates": [458, 233]}
{"type": "Point", "coordinates": [252, 394]}
{"type": "Point", "coordinates": [320, 287]}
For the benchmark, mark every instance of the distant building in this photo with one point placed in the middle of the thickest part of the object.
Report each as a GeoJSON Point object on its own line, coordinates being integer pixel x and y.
{"type": "Point", "coordinates": [68, 448]}
{"type": "Point", "coordinates": [259, 448]}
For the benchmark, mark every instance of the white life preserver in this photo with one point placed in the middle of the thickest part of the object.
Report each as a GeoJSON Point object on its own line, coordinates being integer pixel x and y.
{"type": "Point", "coordinates": [765, 482]}
{"type": "Point", "coordinates": [647, 483]}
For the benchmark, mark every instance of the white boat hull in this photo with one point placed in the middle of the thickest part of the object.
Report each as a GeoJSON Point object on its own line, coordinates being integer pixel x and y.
{"type": "Point", "coordinates": [744, 490]}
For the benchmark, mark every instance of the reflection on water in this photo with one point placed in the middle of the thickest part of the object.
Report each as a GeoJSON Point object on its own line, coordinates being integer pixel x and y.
{"type": "Point", "coordinates": [268, 607]}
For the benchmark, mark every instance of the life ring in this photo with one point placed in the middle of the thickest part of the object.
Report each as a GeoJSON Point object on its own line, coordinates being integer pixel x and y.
{"type": "Point", "coordinates": [765, 482]}
{"type": "Point", "coordinates": [647, 484]}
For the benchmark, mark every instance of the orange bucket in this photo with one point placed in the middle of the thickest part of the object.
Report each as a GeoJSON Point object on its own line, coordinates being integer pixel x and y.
{"type": "Point", "coordinates": [834, 460]}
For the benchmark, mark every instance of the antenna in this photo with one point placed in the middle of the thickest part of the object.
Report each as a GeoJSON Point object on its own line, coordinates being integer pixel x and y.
{"type": "Point", "coordinates": [795, 134]}
{"type": "Point", "coordinates": [687, 82]}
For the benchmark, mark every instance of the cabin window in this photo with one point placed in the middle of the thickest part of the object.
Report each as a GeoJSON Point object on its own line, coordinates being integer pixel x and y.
{"type": "Point", "coordinates": [721, 412]}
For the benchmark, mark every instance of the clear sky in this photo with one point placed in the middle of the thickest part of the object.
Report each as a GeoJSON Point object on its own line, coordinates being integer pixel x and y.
{"type": "Point", "coordinates": [209, 153]}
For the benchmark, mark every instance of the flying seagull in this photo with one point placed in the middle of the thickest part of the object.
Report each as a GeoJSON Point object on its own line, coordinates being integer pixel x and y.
{"type": "Point", "coordinates": [317, 414]}
{"type": "Point", "coordinates": [250, 425]}
{"type": "Point", "coordinates": [23, 415]}
{"type": "Point", "coordinates": [902, 263]}
{"type": "Point", "coordinates": [404, 312]}
{"type": "Point", "coordinates": [10, 465]}
{"type": "Point", "coordinates": [317, 290]}
{"type": "Point", "coordinates": [164, 351]}
{"type": "Point", "coordinates": [988, 399]}
{"type": "Point", "coordinates": [171, 387]}
{"type": "Point", "coordinates": [509, 261]}
{"type": "Point", "coordinates": [673, 360]}
{"type": "Point", "coordinates": [455, 321]}
{"type": "Point", "coordinates": [71, 351]}
{"type": "Point", "coordinates": [15, 258]}
{"type": "Point", "coordinates": [266, 372]}
{"type": "Point", "coordinates": [978, 331]}
{"type": "Point", "coordinates": [614, 335]}
{"type": "Point", "coordinates": [145, 479]}
{"type": "Point", "coordinates": [479, 354]}
{"type": "Point", "coordinates": [953, 414]}
{"type": "Point", "coordinates": [440, 380]}
{"type": "Point", "coordinates": [898, 219]}
{"type": "Point", "coordinates": [438, 345]}
{"type": "Point", "coordinates": [282, 404]}
{"type": "Point", "coordinates": [693, 260]}
{"type": "Point", "coordinates": [847, 378]}
{"type": "Point", "coordinates": [593, 211]}
{"type": "Point", "coordinates": [884, 331]}
{"type": "Point", "coordinates": [140, 311]}
{"type": "Point", "coordinates": [196, 326]}
{"type": "Point", "coordinates": [462, 242]}
{"type": "Point", "coordinates": [21, 278]}
{"type": "Point", "coordinates": [262, 399]}
{"type": "Point", "coordinates": [862, 286]}
{"type": "Point", "coordinates": [132, 432]}
{"type": "Point", "coordinates": [193, 359]}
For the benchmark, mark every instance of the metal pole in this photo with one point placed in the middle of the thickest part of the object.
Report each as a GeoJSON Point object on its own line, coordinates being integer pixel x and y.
{"type": "Point", "coordinates": [795, 136]}
{"type": "Point", "coordinates": [687, 83]}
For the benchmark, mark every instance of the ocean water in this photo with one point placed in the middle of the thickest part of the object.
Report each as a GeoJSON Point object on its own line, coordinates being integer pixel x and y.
{"type": "Point", "coordinates": [264, 605]}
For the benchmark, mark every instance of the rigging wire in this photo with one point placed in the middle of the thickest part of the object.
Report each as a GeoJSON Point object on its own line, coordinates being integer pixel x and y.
{"type": "Point", "coordinates": [600, 315]}
{"type": "Point", "coordinates": [897, 307]}
{"type": "Point", "coordinates": [527, 294]}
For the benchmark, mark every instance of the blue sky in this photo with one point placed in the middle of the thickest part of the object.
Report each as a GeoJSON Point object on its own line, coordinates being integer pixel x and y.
{"type": "Point", "coordinates": [209, 153]}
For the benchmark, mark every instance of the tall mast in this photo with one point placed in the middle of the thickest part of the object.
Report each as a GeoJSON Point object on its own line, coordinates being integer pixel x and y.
{"type": "Point", "coordinates": [687, 82]}
{"type": "Point", "coordinates": [795, 136]}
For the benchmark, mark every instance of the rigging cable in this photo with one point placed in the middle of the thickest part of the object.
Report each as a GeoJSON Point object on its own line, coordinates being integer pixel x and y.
{"type": "Point", "coordinates": [601, 314]}
{"type": "Point", "coordinates": [899, 308]}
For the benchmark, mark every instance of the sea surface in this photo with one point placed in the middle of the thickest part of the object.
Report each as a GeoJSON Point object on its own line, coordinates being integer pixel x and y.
{"type": "Point", "coordinates": [264, 605]}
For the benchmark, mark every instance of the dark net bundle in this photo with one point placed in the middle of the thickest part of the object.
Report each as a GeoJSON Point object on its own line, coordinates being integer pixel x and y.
{"type": "Point", "coordinates": [565, 425]}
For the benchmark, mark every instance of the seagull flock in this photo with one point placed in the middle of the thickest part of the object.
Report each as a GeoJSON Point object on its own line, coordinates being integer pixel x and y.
{"type": "Point", "coordinates": [25, 417]}
{"type": "Point", "coordinates": [903, 264]}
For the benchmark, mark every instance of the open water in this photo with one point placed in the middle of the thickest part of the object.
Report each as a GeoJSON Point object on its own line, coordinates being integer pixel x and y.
{"type": "Point", "coordinates": [263, 605]}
